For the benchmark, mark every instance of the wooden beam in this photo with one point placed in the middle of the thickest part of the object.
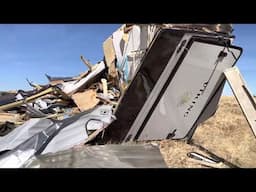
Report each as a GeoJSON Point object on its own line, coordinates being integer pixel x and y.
{"type": "Point", "coordinates": [87, 63]}
{"type": "Point", "coordinates": [243, 95]}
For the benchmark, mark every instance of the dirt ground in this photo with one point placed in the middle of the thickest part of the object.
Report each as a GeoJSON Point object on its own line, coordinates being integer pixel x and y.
{"type": "Point", "coordinates": [226, 134]}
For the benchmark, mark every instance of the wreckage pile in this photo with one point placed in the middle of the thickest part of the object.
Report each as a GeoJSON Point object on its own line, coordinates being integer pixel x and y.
{"type": "Point", "coordinates": [77, 107]}
{"type": "Point", "coordinates": [73, 111]}
{"type": "Point", "coordinates": [60, 99]}
{"type": "Point", "coordinates": [65, 96]}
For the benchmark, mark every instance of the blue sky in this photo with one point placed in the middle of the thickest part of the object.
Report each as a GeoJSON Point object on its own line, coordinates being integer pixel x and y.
{"type": "Point", "coordinates": [31, 50]}
{"type": "Point", "coordinates": [246, 38]}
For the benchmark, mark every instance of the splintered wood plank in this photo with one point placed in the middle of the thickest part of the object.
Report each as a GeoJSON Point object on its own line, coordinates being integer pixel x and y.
{"type": "Point", "coordinates": [9, 117]}
{"type": "Point", "coordinates": [109, 53]}
{"type": "Point", "coordinates": [85, 100]}
{"type": "Point", "coordinates": [243, 95]}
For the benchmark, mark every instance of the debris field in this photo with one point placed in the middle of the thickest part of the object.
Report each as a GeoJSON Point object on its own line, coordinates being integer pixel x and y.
{"type": "Point", "coordinates": [70, 116]}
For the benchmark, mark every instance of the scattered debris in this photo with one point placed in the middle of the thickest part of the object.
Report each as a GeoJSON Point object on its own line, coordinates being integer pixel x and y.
{"type": "Point", "coordinates": [120, 98]}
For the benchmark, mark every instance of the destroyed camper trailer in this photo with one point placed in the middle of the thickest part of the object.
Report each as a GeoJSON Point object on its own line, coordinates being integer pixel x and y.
{"type": "Point", "coordinates": [177, 85]}
{"type": "Point", "coordinates": [164, 80]}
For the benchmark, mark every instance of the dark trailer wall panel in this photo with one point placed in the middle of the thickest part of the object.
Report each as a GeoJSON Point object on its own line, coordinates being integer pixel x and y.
{"type": "Point", "coordinates": [152, 66]}
{"type": "Point", "coordinates": [180, 75]}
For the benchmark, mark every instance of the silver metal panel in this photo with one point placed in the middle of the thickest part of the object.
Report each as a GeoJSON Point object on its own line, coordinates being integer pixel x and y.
{"type": "Point", "coordinates": [76, 133]}
{"type": "Point", "coordinates": [209, 111]}
{"type": "Point", "coordinates": [102, 156]}
{"type": "Point", "coordinates": [23, 152]}
{"type": "Point", "coordinates": [56, 138]}
{"type": "Point", "coordinates": [187, 94]}
{"type": "Point", "coordinates": [23, 132]}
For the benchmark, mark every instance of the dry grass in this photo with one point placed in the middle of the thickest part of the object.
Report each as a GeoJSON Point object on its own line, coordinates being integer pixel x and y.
{"type": "Point", "coordinates": [226, 134]}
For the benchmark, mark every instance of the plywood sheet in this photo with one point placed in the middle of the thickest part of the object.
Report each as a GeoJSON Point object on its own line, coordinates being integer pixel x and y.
{"type": "Point", "coordinates": [85, 100]}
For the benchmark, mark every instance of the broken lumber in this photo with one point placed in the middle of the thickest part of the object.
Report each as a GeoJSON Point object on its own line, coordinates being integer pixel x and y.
{"type": "Point", "coordinates": [242, 95]}
{"type": "Point", "coordinates": [109, 52]}
{"type": "Point", "coordinates": [85, 100]}
{"type": "Point", "coordinates": [87, 63]}
{"type": "Point", "coordinates": [10, 117]}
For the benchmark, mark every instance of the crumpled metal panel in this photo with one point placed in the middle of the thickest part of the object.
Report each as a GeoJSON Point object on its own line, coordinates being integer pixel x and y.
{"type": "Point", "coordinates": [35, 144]}
{"type": "Point", "coordinates": [102, 156]}
{"type": "Point", "coordinates": [76, 132]}
{"type": "Point", "coordinates": [56, 136]}
{"type": "Point", "coordinates": [24, 132]}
